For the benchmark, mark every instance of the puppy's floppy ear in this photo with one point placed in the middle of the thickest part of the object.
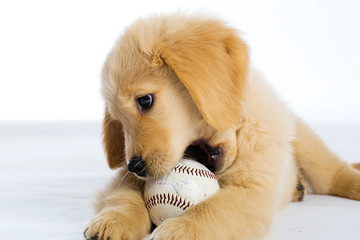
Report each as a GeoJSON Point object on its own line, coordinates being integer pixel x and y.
{"type": "Point", "coordinates": [212, 62]}
{"type": "Point", "coordinates": [114, 141]}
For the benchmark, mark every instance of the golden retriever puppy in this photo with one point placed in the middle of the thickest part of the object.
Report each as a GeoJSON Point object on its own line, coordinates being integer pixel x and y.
{"type": "Point", "coordinates": [178, 85]}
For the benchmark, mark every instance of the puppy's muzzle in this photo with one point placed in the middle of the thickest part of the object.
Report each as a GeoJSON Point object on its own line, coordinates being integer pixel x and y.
{"type": "Point", "coordinates": [137, 166]}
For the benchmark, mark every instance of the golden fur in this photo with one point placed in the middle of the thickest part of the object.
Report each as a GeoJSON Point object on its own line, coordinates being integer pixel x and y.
{"type": "Point", "coordinates": [198, 70]}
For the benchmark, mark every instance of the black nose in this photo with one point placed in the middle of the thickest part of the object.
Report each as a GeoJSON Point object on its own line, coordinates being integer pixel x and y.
{"type": "Point", "coordinates": [137, 166]}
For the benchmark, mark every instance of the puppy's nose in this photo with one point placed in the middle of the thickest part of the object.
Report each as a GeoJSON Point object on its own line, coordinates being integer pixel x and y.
{"type": "Point", "coordinates": [137, 166]}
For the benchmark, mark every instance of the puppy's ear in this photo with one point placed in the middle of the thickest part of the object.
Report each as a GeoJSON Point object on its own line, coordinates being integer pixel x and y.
{"type": "Point", "coordinates": [212, 62]}
{"type": "Point", "coordinates": [114, 141]}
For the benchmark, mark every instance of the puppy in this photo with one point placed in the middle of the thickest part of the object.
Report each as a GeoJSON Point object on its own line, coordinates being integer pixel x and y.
{"type": "Point", "coordinates": [178, 85]}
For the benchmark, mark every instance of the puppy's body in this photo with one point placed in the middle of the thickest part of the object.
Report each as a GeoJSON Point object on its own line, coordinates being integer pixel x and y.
{"type": "Point", "coordinates": [196, 71]}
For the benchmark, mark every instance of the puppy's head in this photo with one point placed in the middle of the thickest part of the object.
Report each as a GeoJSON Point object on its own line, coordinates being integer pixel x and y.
{"type": "Point", "coordinates": [173, 85]}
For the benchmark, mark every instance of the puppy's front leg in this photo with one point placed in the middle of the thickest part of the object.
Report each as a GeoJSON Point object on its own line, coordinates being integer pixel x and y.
{"type": "Point", "coordinates": [233, 213]}
{"type": "Point", "coordinates": [121, 212]}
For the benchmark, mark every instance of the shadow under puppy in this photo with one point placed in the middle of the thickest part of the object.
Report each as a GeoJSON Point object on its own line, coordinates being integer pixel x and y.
{"type": "Point", "coordinates": [178, 85]}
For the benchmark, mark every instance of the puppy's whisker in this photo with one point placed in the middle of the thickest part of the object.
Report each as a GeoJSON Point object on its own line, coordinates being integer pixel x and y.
{"type": "Point", "coordinates": [120, 156]}
{"type": "Point", "coordinates": [119, 165]}
{"type": "Point", "coordinates": [120, 182]}
{"type": "Point", "coordinates": [107, 124]}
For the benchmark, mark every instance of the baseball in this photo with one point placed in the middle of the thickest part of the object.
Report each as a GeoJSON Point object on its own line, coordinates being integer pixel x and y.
{"type": "Point", "coordinates": [187, 184]}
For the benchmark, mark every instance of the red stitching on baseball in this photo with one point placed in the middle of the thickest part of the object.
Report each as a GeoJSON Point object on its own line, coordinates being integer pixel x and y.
{"type": "Point", "coordinates": [194, 172]}
{"type": "Point", "coordinates": [164, 198]}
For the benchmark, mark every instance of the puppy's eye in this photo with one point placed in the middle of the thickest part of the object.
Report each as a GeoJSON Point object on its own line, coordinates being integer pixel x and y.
{"type": "Point", "coordinates": [145, 102]}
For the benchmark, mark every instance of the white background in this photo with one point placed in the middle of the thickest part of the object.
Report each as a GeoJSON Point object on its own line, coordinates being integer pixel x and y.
{"type": "Point", "coordinates": [51, 52]}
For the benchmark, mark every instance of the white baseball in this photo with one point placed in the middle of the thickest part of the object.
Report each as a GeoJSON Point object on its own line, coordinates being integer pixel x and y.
{"type": "Point", "coordinates": [187, 184]}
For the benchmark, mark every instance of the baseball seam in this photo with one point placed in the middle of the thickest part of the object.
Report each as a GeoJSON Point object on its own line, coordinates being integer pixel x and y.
{"type": "Point", "coordinates": [170, 199]}
{"type": "Point", "coordinates": [194, 172]}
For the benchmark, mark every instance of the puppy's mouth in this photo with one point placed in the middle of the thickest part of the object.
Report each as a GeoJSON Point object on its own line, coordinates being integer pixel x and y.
{"type": "Point", "coordinates": [202, 152]}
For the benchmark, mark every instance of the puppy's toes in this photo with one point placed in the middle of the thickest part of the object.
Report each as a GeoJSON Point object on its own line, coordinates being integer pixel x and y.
{"type": "Point", "coordinates": [180, 228]}
{"type": "Point", "coordinates": [87, 236]}
{"type": "Point", "coordinates": [300, 190]}
{"type": "Point", "coordinates": [113, 224]}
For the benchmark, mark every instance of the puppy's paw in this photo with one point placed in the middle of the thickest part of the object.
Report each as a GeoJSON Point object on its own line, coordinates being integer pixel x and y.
{"type": "Point", "coordinates": [300, 191]}
{"type": "Point", "coordinates": [179, 228]}
{"type": "Point", "coordinates": [112, 224]}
